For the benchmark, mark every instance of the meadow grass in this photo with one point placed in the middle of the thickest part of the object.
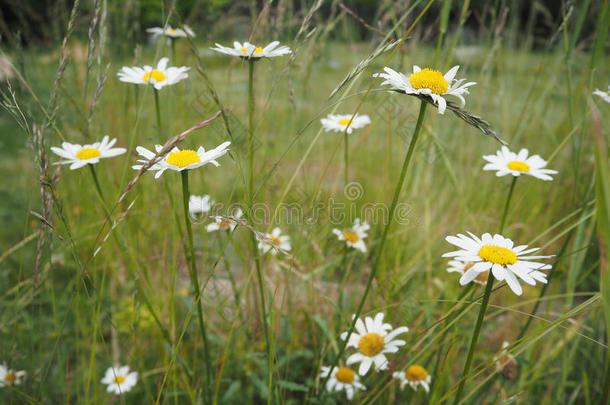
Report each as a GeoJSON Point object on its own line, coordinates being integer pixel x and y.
{"type": "Point", "coordinates": [133, 302]}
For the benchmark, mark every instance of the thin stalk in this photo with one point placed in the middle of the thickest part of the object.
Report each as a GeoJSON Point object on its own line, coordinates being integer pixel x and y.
{"type": "Point", "coordinates": [158, 111]}
{"type": "Point", "coordinates": [190, 257]}
{"type": "Point", "coordinates": [250, 129]}
{"type": "Point", "coordinates": [375, 266]}
{"type": "Point", "coordinates": [483, 309]}
{"type": "Point", "coordinates": [345, 158]}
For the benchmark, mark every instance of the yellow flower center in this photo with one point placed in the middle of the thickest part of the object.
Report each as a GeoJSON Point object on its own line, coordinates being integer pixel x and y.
{"type": "Point", "coordinates": [344, 121]}
{"type": "Point", "coordinates": [371, 344]}
{"type": "Point", "coordinates": [88, 153]}
{"type": "Point", "coordinates": [156, 75]}
{"type": "Point", "coordinates": [518, 166]}
{"type": "Point", "coordinates": [183, 158]}
{"type": "Point", "coordinates": [350, 236]}
{"type": "Point", "coordinates": [345, 375]}
{"type": "Point", "coordinates": [429, 79]}
{"type": "Point", "coordinates": [497, 255]}
{"type": "Point", "coordinates": [257, 50]}
{"type": "Point", "coordinates": [172, 31]}
{"type": "Point", "coordinates": [119, 379]}
{"type": "Point", "coordinates": [10, 377]}
{"type": "Point", "coordinates": [416, 373]}
{"type": "Point", "coordinates": [274, 240]}
{"type": "Point", "coordinates": [224, 223]}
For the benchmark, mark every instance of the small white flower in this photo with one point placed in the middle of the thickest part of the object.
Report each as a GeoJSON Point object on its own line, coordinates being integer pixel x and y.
{"type": "Point", "coordinates": [373, 339]}
{"type": "Point", "coordinates": [605, 95]}
{"type": "Point", "coordinates": [498, 254]}
{"type": "Point", "coordinates": [414, 376]}
{"type": "Point", "coordinates": [179, 160]}
{"type": "Point", "coordinates": [78, 156]}
{"type": "Point", "coordinates": [200, 204]}
{"type": "Point", "coordinates": [159, 77]}
{"type": "Point", "coordinates": [10, 377]}
{"type": "Point", "coordinates": [428, 82]}
{"type": "Point", "coordinates": [507, 162]}
{"type": "Point", "coordinates": [170, 32]}
{"type": "Point", "coordinates": [274, 240]}
{"type": "Point", "coordinates": [458, 266]}
{"type": "Point", "coordinates": [247, 50]}
{"type": "Point", "coordinates": [506, 363]}
{"type": "Point", "coordinates": [119, 379]}
{"type": "Point", "coordinates": [354, 236]}
{"type": "Point", "coordinates": [342, 379]}
{"type": "Point", "coordinates": [338, 123]}
{"type": "Point", "coordinates": [221, 223]}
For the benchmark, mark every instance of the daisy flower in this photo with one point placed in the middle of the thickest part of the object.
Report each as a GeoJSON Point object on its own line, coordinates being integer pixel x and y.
{"type": "Point", "coordinates": [507, 162]}
{"type": "Point", "coordinates": [179, 160]}
{"type": "Point", "coordinates": [354, 236]}
{"type": "Point", "coordinates": [498, 254]}
{"type": "Point", "coordinates": [458, 266]}
{"type": "Point", "coordinates": [605, 95]}
{"type": "Point", "coordinates": [119, 379]}
{"type": "Point", "coordinates": [274, 240]}
{"type": "Point", "coordinates": [170, 32]}
{"type": "Point", "coordinates": [506, 363]}
{"type": "Point", "coordinates": [247, 50]}
{"type": "Point", "coordinates": [78, 156]}
{"type": "Point", "coordinates": [340, 122]}
{"type": "Point", "coordinates": [342, 379]}
{"type": "Point", "coordinates": [428, 82]}
{"type": "Point", "coordinates": [414, 376]}
{"type": "Point", "coordinates": [221, 223]}
{"type": "Point", "coordinates": [159, 77]}
{"type": "Point", "coordinates": [200, 204]}
{"type": "Point", "coordinates": [10, 377]}
{"type": "Point", "coordinates": [373, 339]}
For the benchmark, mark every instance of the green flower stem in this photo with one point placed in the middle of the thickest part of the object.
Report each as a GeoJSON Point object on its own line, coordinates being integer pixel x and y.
{"type": "Point", "coordinates": [345, 158]}
{"type": "Point", "coordinates": [484, 302]}
{"type": "Point", "coordinates": [190, 256]}
{"type": "Point", "coordinates": [250, 130]}
{"type": "Point", "coordinates": [375, 266]}
{"type": "Point", "coordinates": [158, 111]}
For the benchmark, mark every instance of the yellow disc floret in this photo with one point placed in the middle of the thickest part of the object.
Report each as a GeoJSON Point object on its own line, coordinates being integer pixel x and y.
{"type": "Point", "coordinates": [416, 373]}
{"type": "Point", "coordinates": [88, 153]}
{"type": "Point", "coordinates": [183, 158]}
{"type": "Point", "coordinates": [156, 75]}
{"type": "Point", "coordinates": [274, 240]}
{"type": "Point", "coordinates": [371, 344]}
{"type": "Point", "coordinates": [172, 31]}
{"type": "Point", "coordinates": [497, 255]}
{"type": "Point", "coordinates": [429, 79]}
{"type": "Point", "coordinates": [518, 166]}
{"type": "Point", "coordinates": [119, 379]}
{"type": "Point", "coordinates": [350, 236]}
{"type": "Point", "coordinates": [10, 377]}
{"type": "Point", "coordinates": [345, 375]}
{"type": "Point", "coordinates": [345, 121]}
{"type": "Point", "coordinates": [258, 50]}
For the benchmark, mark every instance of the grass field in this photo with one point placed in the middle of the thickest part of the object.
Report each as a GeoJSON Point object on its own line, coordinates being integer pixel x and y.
{"type": "Point", "coordinates": [87, 283]}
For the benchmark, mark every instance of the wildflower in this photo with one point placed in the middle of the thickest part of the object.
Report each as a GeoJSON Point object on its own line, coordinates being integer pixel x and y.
{"type": "Point", "coordinates": [414, 376]}
{"type": "Point", "coordinates": [340, 122]}
{"type": "Point", "coordinates": [179, 160]}
{"type": "Point", "coordinates": [221, 223]}
{"type": "Point", "coordinates": [507, 162]}
{"type": "Point", "coordinates": [373, 339]}
{"type": "Point", "coordinates": [119, 379]}
{"type": "Point", "coordinates": [458, 266]}
{"type": "Point", "coordinates": [498, 254]}
{"type": "Point", "coordinates": [200, 204]}
{"type": "Point", "coordinates": [605, 95]}
{"type": "Point", "coordinates": [78, 156]}
{"type": "Point", "coordinates": [10, 377]}
{"type": "Point", "coordinates": [247, 50]}
{"type": "Point", "coordinates": [428, 82]}
{"type": "Point", "coordinates": [159, 77]}
{"type": "Point", "coordinates": [506, 363]}
{"type": "Point", "coordinates": [273, 241]}
{"type": "Point", "coordinates": [171, 32]}
{"type": "Point", "coordinates": [354, 236]}
{"type": "Point", "coordinates": [342, 379]}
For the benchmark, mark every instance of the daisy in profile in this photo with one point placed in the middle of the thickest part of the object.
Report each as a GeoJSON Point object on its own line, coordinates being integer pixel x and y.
{"type": "Point", "coordinates": [373, 339]}
{"type": "Point", "coordinates": [506, 363]}
{"type": "Point", "coordinates": [342, 379]}
{"type": "Point", "coordinates": [605, 95]}
{"type": "Point", "coordinates": [119, 379]}
{"type": "Point", "coordinates": [200, 204]}
{"type": "Point", "coordinates": [498, 254]}
{"type": "Point", "coordinates": [414, 376]}
{"type": "Point", "coordinates": [10, 377]}
{"type": "Point", "coordinates": [428, 82]}
{"type": "Point", "coordinates": [78, 156]}
{"type": "Point", "coordinates": [339, 123]}
{"type": "Point", "coordinates": [179, 160]}
{"type": "Point", "coordinates": [354, 236]}
{"type": "Point", "coordinates": [223, 223]}
{"type": "Point", "coordinates": [247, 50]}
{"type": "Point", "coordinates": [458, 266]}
{"type": "Point", "coordinates": [273, 241]}
{"type": "Point", "coordinates": [170, 32]}
{"type": "Point", "coordinates": [506, 162]}
{"type": "Point", "coordinates": [159, 77]}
